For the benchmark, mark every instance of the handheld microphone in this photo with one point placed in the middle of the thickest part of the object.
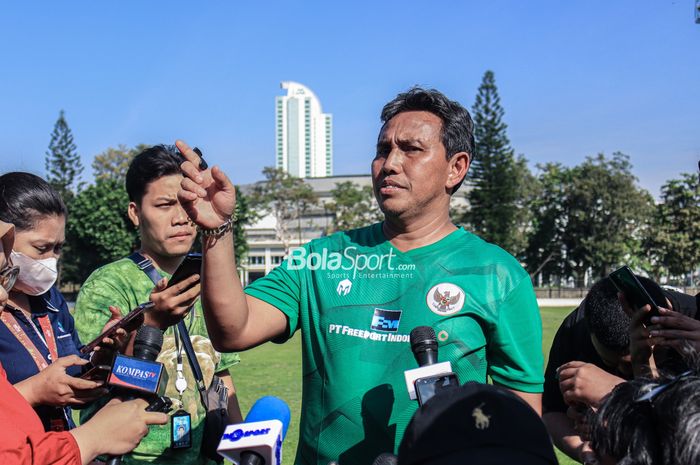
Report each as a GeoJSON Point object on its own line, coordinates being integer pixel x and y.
{"type": "Point", "coordinates": [430, 376]}
{"type": "Point", "coordinates": [140, 375]}
{"type": "Point", "coordinates": [258, 440]}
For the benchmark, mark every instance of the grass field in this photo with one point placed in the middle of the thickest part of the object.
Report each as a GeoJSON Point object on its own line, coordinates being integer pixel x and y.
{"type": "Point", "coordinates": [274, 369]}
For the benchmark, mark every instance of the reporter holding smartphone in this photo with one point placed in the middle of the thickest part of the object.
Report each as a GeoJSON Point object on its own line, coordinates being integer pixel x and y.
{"type": "Point", "coordinates": [23, 440]}
{"type": "Point", "coordinates": [39, 346]}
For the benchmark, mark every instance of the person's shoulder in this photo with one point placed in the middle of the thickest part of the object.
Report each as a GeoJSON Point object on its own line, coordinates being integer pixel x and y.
{"type": "Point", "coordinates": [367, 236]}
{"type": "Point", "coordinates": [122, 269]}
{"type": "Point", "coordinates": [487, 254]}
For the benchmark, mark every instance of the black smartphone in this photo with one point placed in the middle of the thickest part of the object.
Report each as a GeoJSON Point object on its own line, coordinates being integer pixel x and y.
{"type": "Point", "coordinates": [427, 387]}
{"type": "Point", "coordinates": [132, 321]}
{"type": "Point", "coordinates": [97, 373]}
{"type": "Point", "coordinates": [636, 295]}
{"type": "Point", "coordinates": [191, 264]}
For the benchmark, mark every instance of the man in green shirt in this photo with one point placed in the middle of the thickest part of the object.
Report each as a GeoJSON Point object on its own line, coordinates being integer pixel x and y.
{"type": "Point", "coordinates": [356, 295]}
{"type": "Point", "coordinates": [167, 235]}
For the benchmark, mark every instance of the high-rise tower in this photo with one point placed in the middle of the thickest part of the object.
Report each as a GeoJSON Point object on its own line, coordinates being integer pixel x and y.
{"type": "Point", "coordinates": [304, 142]}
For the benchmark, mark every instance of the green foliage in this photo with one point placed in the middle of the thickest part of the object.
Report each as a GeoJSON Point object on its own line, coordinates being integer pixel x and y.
{"type": "Point", "coordinates": [244, 217]}
{"type": "Point", "coordinates": [591, 216]}
{"type": "Point", "coordinates": [672, 243]}
{"type": "Point", "coordinates": [353, 206]}
{"type": "Point", "coordinates": [501, 182]}
{"type": "Point", "coordinates": [286, 198]}
{"type": "Point", "coordinates": [543, 255]}
{"type": "Point", "coordinates": [114, 163]}
{"type": "Point", "coordinates": [62, 162]}
{"type": "Point", "coordinates": [100, 228]}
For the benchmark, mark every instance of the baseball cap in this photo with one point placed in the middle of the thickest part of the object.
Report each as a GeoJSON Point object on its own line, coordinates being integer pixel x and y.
{"type": "Point", "coordinates": [478, 424]}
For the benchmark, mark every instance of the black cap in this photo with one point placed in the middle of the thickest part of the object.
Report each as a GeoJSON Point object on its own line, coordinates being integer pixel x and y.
{"type": "Point", "coordinates": [476, 424]}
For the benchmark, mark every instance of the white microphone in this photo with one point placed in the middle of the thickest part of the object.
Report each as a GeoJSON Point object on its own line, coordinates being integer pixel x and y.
{"type": "Point", "coordinates": [258, 440]}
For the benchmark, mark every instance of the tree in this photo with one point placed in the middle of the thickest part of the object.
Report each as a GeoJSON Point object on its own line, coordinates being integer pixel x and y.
{"type": "Point", "coordinates": [114, 163]}
{"type": "Point", "coordinates": [498, 199]}
{"type": "Point", "coordinates": [673, 243]}
{"type": "Point", "coordinates": [244, 216]}
{"type": "Point", "coordinates": [286, 198]}
{"type": "Point", "coordinates": [605, 214]}
{"type": "Point", "coordinates": [63, 166]}
{"type": "Point", "coordinates": [100, 228]}
{"type": "Point", "coordinates": [545, 250]}
{"type": "Point", "coordinates": [353, 206]}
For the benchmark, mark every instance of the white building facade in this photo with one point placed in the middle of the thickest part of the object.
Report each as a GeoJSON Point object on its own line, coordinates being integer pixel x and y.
{"type": "Point", "coordinates": [304, 134]}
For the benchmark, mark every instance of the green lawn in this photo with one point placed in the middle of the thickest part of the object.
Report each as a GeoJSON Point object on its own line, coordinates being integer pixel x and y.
{"type": "Point", "coordinates": [274, 369]}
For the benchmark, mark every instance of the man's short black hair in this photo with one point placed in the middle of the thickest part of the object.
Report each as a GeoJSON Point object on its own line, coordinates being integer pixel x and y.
{"type": "Point", "coordinates": [150, 165]}
{"type": "Point", "coordinates": [457, 127]}
{"type": "Point", "coordinates": [605, 317]}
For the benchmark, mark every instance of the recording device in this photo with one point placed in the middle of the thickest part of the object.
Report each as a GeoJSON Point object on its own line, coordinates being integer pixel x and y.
{"type": "Point", "coordinates": [635, 293]}
{"type": "Point", "coordinates": [97, 373]}
{"type": "Point", "coordinates": [258, 440]}
{"type": "Point", "coordinates": [202, 164]}
{"type": "Point", "coordinates": [431, 377]}
{"type": "Point", "coordinates": [140, 375]}
{"type": "Point", "coordinates": [132, 321]}
{"type": "Point", "coordinates": [191, 264]}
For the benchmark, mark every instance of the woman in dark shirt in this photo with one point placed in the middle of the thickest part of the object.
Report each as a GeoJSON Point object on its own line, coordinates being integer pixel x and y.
{"type": "Point", "coordinates": [39, 346]}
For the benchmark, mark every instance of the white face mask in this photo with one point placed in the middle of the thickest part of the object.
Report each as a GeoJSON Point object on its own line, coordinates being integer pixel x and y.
{"type": "Point", "coordinates": [35, 276]}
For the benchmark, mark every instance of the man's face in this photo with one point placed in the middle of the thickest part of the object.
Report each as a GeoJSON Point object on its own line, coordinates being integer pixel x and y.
{"type": "Point", "coordinates": [163, 225]}
{"type": "Point", "coordinates": [410, 170]}
{"type": "Point", "coordinates": [613, 359]}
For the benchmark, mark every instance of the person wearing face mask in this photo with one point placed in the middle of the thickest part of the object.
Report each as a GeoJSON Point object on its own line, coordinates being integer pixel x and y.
{"type": "Point", "coordinates": [23, 440]}
{"type": "Point", "coordinates": [39, 346]}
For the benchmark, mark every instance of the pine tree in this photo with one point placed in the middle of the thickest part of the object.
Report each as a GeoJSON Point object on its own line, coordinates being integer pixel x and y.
{"type": "Point", "coordinates": [63, 166]}
{"type": "Point", "coordinates": [500, 180]}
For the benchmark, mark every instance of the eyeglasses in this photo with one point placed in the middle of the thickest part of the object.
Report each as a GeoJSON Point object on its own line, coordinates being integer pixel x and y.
{"type": "Point", "coordinates": [654, 392]}
{"type": "Point", "coordinates": [8, 276]}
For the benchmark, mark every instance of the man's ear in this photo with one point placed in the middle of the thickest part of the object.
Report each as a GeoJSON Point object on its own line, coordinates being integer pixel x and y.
{"type": "Point", "coordinates": [133, 212]}
{"type": "Point", "coordinates": [458, 167]}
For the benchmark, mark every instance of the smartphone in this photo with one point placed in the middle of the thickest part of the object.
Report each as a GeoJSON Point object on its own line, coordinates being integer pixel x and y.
{"type": "Point", "coordinates": [637, 295]}
{"type": "Point", "coordinates": [97, 373]}
{"type": "Point", "coordinates": [427, 387]}
{"type": "Point", "coordinates": [180, 430]}
{"type": "Point", "coordinates": [132, 321]}
{"type": "Point", "coordinates": [191, 264]}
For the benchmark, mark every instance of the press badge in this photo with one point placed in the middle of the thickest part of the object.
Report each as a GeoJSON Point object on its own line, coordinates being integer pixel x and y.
{"type": "Point", "coordinates": [181, 430]}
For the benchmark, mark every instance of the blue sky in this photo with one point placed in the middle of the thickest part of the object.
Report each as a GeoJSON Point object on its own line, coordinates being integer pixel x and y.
{"type": "Point", "coordinates": [576, 78]}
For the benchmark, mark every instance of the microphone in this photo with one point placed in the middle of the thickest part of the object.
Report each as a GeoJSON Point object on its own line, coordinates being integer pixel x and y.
{"type": "Point", "coordinates": [141, 375]}
{"type": "Point", "coordinates": [424, 345]}
{"type": "Point", "coordinates": [258, 440]}
{"type": "Point", "coordinates": [430, 377]}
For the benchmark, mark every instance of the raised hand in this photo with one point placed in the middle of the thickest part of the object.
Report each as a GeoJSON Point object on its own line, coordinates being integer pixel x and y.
{"type": "Point", "coordinates": [53, 386]}
{"type": "Point", "coordinates": [585, 383]}
{"type": "Point", "coordinates": [207, 195]}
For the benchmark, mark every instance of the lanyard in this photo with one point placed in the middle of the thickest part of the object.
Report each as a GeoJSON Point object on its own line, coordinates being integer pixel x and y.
{"type": "Point", "coordinates": [47, 338]}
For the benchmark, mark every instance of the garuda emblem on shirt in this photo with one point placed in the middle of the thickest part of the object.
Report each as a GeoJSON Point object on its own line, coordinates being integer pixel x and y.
{"type": "Point", "coordinates": [445, 299]}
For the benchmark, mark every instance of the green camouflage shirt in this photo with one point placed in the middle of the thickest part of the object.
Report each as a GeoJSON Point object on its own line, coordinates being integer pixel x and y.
{"type": "Point", "coordinates": [124, 285]}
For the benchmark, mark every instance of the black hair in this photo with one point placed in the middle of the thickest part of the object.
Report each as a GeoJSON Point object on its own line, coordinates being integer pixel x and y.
{"type": "Point", "coordinates": [150, 165]}
{"type": "Point", "coordinates": [457, 130]}
{"type": "Point", "coordinates": [663, 430]}
{"type": "Point", "coordinates": [605, 317]}
{"type": "Point", "coordinates": [25, 198]}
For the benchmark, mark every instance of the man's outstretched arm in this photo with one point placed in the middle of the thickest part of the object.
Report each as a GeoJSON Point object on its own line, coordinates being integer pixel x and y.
{"type": "Point", "coordinates": [234, 320]}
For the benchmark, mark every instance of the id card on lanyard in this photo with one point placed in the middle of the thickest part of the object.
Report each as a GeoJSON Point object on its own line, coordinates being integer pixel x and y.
{"type": "Point", "coordinates": [58, 422]}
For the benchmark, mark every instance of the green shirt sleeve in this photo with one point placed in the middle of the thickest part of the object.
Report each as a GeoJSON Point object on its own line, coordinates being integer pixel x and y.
{"type": "Point", "coordinates": [281, 288]}
{"type": "Point", "coordinates": [515, 343]}
{"type": "Point", "coordinates": [92, 305]}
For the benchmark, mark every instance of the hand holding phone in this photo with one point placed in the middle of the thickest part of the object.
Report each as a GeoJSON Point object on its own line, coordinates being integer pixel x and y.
{"type": "Point", "coordinates": [635, 293]}
{"type": "Point", "coordinates": [132, 321]}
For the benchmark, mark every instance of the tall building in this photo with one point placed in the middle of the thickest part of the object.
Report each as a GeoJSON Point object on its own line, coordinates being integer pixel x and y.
{"type": "Point", "coordinates": [304, 142]}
